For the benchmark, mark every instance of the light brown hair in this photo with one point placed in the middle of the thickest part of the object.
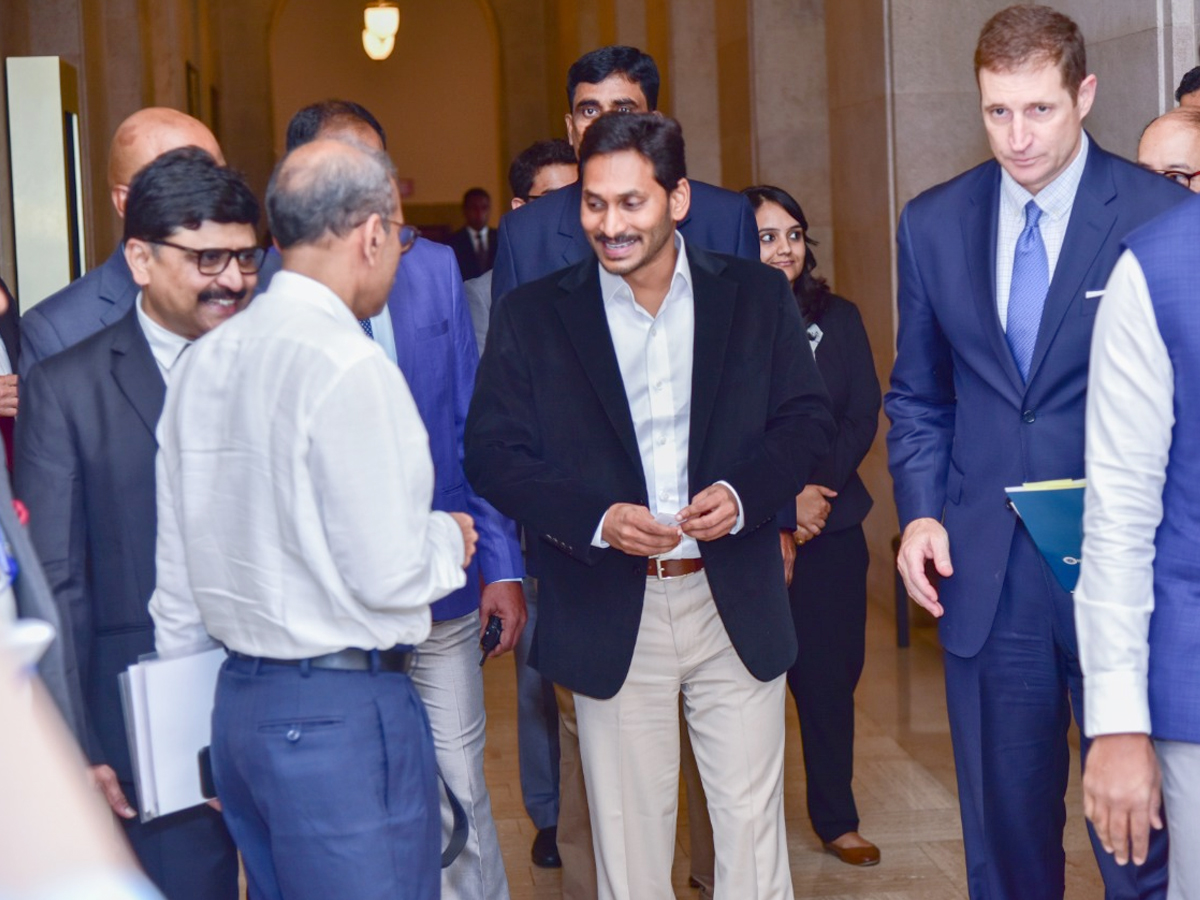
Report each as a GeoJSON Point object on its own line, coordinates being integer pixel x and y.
{"type": "Point", "coordinates": [1020, 35]}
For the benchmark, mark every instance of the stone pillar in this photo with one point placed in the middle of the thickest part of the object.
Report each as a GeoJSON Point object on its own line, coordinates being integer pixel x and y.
{"type": "Point", "coordinates": [696, 99]}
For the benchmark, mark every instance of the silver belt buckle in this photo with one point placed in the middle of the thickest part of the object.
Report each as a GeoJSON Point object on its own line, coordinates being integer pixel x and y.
{"type": "Point", "coordinates": [658, 571]}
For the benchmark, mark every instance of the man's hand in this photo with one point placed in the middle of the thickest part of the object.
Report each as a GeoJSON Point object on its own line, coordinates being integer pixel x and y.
{"type": "Point", "coordinates": [923, 540]}
{"type": "Point", "coordinates": [632, 529]}
{"type": "Point", "coordinates": [104, 779]}
{"type": "Point", "coordinates": [712, 514]}
{"type": "Point", "coordinates": [467, 524]}
{"type": "Point", "coordinates": [8, 395]}
{"type": "Point", "coordinates": [1122, 794]}
{"type": "Point", "coordinates": [506, 600]}
{"type": "Point", "coordinates": [788, 546]}
{"type": "Point", "coordinates": [812, 511]}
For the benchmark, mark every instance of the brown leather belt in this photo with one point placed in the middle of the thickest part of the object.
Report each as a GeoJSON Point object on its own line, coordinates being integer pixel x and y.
{"type": "Point", "coordinates": [672, 568]}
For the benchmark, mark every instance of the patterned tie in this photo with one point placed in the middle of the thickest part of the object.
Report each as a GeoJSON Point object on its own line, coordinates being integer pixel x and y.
{"type": "Point", "coordinates": [367, 329]}
{"type": "Point", "coordinates": [1027, 294]}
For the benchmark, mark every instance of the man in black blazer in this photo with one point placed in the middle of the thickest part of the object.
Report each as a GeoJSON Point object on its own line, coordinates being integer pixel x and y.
{"type": "Point", "coordinates": [85, 468]}
{"type": "Point", "coordinates": [475, 244]}
{"type": "Point", "coordinates": [645, 418]}
{"type": "Point", "coordinates": [540, 238]}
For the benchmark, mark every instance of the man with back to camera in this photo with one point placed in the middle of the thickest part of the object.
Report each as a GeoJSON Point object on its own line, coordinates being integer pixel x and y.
{"type": "Point", "coordinates": [294, 526]}
{"type": "Point", "coordinates": [85, 469]}
{"type": "Point", "coordinates": [988, 391]}
{"type": "Point", "coordinates": [610, 394]}
{"type": "Point", "coordinates": [474, 244]}
{"type": "Point", "coordinates": [106, 293]}
{"type": "Point", "coordinates": [1170, 146]}
{"type": "Point", "coordinates": [540, 168]}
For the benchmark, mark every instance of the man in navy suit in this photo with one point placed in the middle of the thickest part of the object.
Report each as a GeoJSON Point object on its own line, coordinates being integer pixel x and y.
{"type": "Point", "coordinates": [106, 293]}
{"type": "Point", "coordinates": [1001, 271]}
{"type": "Point", "coordinates": [541, 238]}
{"type": "Point", "coordinates": [426, 330]}
{"type": "Point", "coordinates": [475, 244]}
{"type": "Point", "coordinates": [85, 467]}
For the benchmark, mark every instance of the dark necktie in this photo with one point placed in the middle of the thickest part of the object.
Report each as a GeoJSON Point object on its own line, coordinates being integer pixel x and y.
{"type": "Point", "coordinates": [1027, 293]}
{"type": "Point", "coordinates": [481, 253]}
{"type": "Point", "coordinates": [367, 329]}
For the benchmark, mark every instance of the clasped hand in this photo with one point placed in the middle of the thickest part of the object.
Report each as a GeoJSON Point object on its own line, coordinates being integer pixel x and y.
{"type": "Point", "coordinates": [632, 529]}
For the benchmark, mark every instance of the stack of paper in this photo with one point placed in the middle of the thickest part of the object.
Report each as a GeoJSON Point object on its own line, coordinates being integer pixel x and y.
{"type": "Point", "coordinates": [1053, 513]}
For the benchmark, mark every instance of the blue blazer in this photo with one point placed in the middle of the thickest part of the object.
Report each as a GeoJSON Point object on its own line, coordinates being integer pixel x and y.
{"type": "Point", "coordinates": [435, 349]}
{"type": "Point", "coordinates": [539, 238]}
{"type": "Point", "coordinates": [964, 425]}
{"type": "Point", "coordinates": [79, 310]}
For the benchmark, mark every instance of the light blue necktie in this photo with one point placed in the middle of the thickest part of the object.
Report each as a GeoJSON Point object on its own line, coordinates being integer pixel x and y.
{"type": "Point", "coordinates": [370, 332]}
{"type": "Point", "coordinates": [1027, 293]}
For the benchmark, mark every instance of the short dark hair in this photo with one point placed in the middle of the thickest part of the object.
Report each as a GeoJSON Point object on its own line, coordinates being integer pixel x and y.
{"type": "Point", "coordinates": [594, 67]}
{"type": "Point", "coordinates": [184, 188]}
{"type": "Point", "coordinates": [308, 122]}
{"type": "Point", "coordinates": [658, 138]}
{"type": "Point", "coordinates": [1024, 34]}
{"type": "Point", "coordinates": [812, 291]}
{"type": "Point", "coordinates": [472, 193]}
{"type": "Point", "coordinates": [533, 159]}
{"type": "Point", "coordinates": [332, 196]}
{"type": "Point", "coordinates": [1188, 84]}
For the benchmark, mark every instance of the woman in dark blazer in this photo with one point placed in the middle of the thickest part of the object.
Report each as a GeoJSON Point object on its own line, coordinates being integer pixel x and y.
{"type": "Point", "coordinates": [829, 586]}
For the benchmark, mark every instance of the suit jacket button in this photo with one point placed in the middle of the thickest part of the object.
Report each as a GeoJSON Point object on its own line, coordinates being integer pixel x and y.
{"type": "Point", "coordinates": [1029, 417]}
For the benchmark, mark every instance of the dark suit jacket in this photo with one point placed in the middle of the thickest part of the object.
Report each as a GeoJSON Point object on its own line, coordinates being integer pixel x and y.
{"type": "Point", "coordinates": [550, 442]}
{"type": "Point", "coordinates": [85, 469]}
{"type": "Point", "coordinates": [964, 425]}
{"type": "Point", "coordinates": [464, 251]}
{"type": "Point", "coordinates": [79, 310]}
{"type": "Point", "coordinates": [848, 369]}
{"type": "Point", "coordinates": [543, 237]}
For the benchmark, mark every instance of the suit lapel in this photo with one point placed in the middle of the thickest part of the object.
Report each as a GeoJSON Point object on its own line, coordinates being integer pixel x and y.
{"type": "Point", "coordinates": [714, 301]}
{"type": "Point", "coordinates": [136, 373]}
{"type": "Point", "coordinates": [1092, 220]}
{"type": "Point", "coordinates": [979, 226]}
{"type": "Point", "coordinates": [572, 242]}
{"type": "Point", "coordinates": [117, 287]}
{"type": "Point", "coordinates": [581, 309]}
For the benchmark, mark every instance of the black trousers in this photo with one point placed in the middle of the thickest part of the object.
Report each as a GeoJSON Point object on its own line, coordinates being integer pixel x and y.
{"type": "Point", "coordinates": [188, 855]}
{"type": "Point", "coordinates": [829, 611]}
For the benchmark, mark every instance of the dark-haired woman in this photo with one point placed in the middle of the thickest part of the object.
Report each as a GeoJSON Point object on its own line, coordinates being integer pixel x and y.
{"type": "Point", "coordinates": [829, 585]}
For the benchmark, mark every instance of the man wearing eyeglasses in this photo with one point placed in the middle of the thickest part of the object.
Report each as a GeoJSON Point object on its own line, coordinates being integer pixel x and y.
{"type": "Point", "coordinates": [1170, 146]}
{"type": "Point", "coordinates": [85, 468]}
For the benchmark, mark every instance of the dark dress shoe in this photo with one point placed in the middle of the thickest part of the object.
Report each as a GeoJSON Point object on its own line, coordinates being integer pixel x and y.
{"type": "Point", "coordinates": [855, 856]}
{"type": "Point", "coordinates": [545, 849]}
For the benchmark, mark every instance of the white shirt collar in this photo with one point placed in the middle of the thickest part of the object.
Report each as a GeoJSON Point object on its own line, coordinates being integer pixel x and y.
{"type": "Point", "coordinates": [614, 287]}
{"type": "Point", "coordinates": [309, 290]}
{"type": "Point", "coordinates": [1056, 198]}
{"type": "Point", "coordinates": [165, 344]}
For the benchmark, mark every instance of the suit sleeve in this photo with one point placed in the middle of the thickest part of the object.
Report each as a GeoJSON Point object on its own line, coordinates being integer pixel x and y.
{"type": "Point", "coordinates": [747, 234]}
{"type": "Point", "coordinates": [504, 271]}
{"type": "Point", "coordinates": [859, 421]}
{"type": "Point", "coordinates": [799, 424]}
{"type": "Point", "coordinates": [49, 482]}
{"type": "Point", "coordinates": [38, 340]}
{"type": "Point", "coordinates": [920, 403]}
{"type": "Point", "coordinates": [498, 550]}
{"type": "Point", "coordinates": [503, 451]}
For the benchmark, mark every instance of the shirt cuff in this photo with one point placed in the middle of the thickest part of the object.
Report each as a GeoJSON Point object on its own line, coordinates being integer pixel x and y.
{"type": "Point", "coordinates": [598, 541]}
{"type": "Point", "coordinates": [502, 580]}
{"type": "Point", "coordinates": [741, 517]}
{"type": "Point", "coordinates": [1116, 703]}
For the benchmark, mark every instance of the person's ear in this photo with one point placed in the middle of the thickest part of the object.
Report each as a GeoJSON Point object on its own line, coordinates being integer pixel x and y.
{"type": "Point", "coordinates": [138, 255]}
{"type": "Point", "coordinates": [120, 196]}
{"type": "Point", "coordinates": [680, 200]}
{"type": "Point", "coordinates": [517, 202]}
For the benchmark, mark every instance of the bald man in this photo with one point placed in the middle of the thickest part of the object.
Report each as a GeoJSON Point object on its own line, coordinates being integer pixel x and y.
{"type": "Point", "coordinates": [1170, 146]}
{"type": "Point", "coordinates": [105, 294]}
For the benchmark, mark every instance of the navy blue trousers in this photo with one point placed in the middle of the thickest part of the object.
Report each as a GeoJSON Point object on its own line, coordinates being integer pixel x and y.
{"type": "Point", "coordinates": [1010, 707]}
{"type": "Point", "coordinates": [328, 782]}
{"type": "Point", "coordinates": [188, 855]}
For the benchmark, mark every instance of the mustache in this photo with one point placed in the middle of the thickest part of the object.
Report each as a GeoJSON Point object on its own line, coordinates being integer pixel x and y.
{"type": "Point", "coordinates": [220, 293]}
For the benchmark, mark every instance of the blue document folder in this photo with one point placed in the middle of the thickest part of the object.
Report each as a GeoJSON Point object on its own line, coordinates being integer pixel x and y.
{"type": "Point", "coordinates": [1053, 514]}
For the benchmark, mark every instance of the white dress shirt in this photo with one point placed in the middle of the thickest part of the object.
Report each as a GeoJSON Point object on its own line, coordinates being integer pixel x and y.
{"type": "Point", "coordinates": [1131, 390]}
{"type": "Point", "coordinates": [294, 489]}
{"type": "Point", "coordinates": [1055, 200]}
{"type": "Point", "coordinates": [654, 354]}
{"type": "Point", "coordinates": [165, 345]}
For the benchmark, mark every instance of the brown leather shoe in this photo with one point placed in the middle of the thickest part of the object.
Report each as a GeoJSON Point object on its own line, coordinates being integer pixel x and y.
{"type": "Point", "coordinates": [866, 854]}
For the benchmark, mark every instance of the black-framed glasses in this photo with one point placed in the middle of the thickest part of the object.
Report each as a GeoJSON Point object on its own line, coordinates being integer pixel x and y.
{"type": "Point", "coordinates": [215, 260]}
{"type": "Point", "coordinates": [1184, 178]}
{"type": "Point", "coordinates": [408, 234]}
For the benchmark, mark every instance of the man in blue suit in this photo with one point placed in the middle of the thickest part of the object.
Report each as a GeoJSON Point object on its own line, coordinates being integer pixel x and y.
{"type": "Point", "coordinates": [1001, 270]}
{"type": "Point", "coordinates": [426, 330]}
{"type": "Point", "coordinates": [105, 294]}
{"type": "Point", "coordinates": [85, 467]}
{"type": "Point", "coordinates": [543, 237]}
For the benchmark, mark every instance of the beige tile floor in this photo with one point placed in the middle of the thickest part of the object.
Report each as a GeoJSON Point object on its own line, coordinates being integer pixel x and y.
{"type": "Point", "coordinates": [904, 786]}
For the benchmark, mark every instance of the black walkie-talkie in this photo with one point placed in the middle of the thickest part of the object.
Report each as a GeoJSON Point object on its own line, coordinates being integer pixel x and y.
{"type": "Point", "coordinates": [491, 637]}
